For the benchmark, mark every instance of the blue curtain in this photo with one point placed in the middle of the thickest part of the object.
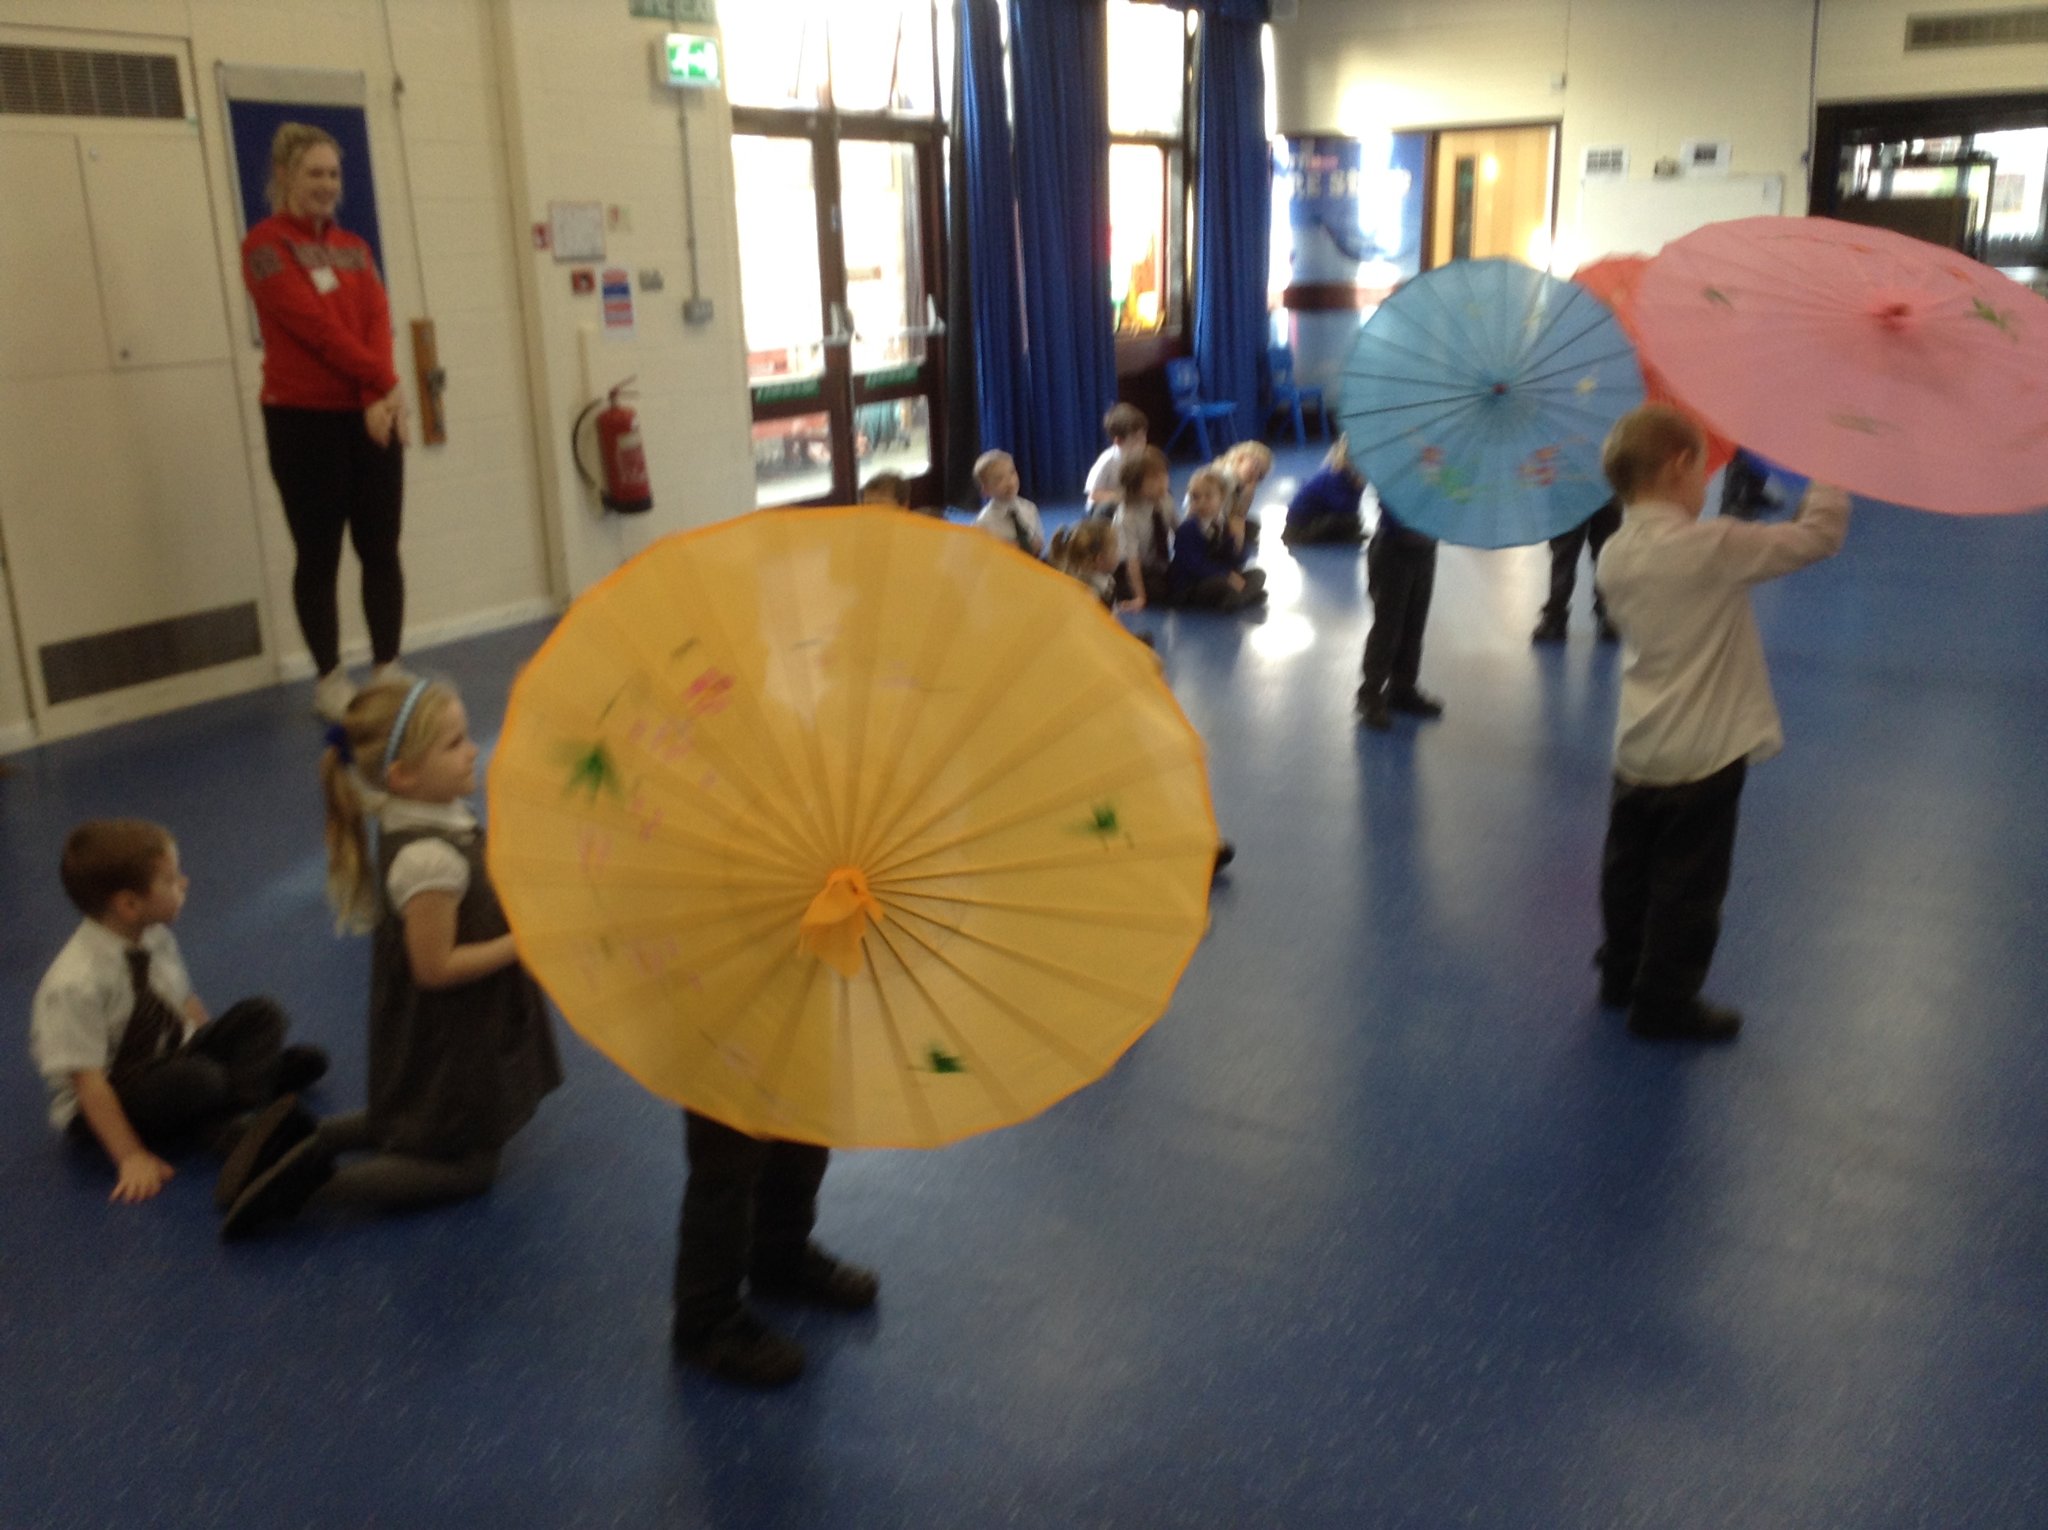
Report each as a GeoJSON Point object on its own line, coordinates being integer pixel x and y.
{"type": "Point", "coordinates": [1227, 10]}
{"type": "Point", "coordinates": [991, 219]}
{"type": "Point", "coordinates": [1059, 66]}
{"type": "Point", "coordinates": [1233, 211]}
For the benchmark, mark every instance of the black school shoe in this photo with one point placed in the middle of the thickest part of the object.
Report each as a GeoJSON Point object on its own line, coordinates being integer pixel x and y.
{"type": "Point", "coordinates": [274, 1131]}
{"type": "Point", "coordinates": [279, 1191]}
{"type": "Point", "coordinates": [1372, 711]}
{"type": "Point", "coordinates": [816, 1279]}
{"type": "Point", "coordinates": [743, 1350]}
{"type": "Point", "coordinates": [1414, 703]}
{"type": "Point", "coordinates": [1696, 1021]}
{"type": "Point", "coordinates": [1549, 630]}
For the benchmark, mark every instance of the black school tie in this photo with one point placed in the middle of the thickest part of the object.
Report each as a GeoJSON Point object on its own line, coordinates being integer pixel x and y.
{"type": "Point", "coordinates": [153, 1028]}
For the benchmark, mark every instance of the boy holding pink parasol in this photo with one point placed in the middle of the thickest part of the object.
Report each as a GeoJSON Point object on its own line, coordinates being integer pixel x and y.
{"type": "Point", "coordinates": [1696, 708]}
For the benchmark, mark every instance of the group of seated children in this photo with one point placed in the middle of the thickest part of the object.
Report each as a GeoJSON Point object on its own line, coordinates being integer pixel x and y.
{"type": "Point", "coordinates": [1132, 546]}
{"type": "Point", "coordinates": [461, 1050]}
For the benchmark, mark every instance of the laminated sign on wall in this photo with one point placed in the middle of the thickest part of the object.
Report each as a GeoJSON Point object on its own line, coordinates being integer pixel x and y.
{"type": "Point", "coordinates": [616, 292]}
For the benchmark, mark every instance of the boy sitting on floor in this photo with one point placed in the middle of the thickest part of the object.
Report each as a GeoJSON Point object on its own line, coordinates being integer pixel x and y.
{"type": "Point", "coordinates": [126, 1048]}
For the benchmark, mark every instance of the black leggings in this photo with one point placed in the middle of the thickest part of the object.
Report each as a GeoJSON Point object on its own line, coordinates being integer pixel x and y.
{"type": "Point", "coordinates": [332, 477]}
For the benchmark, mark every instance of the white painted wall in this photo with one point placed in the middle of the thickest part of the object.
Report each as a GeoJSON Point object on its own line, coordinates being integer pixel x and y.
{"type": "Point", "coordinates": [594, 127]}
{"type": "Point", "coordinates": [1646, 74]}
{"type": "Point", "coordinates": [1863, 55]}
{"type": "Point", "coordinates": [508, 104]}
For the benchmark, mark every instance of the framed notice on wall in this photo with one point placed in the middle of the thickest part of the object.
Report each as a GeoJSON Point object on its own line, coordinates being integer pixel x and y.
{"type": "Point", "coordinates": [259, 101]}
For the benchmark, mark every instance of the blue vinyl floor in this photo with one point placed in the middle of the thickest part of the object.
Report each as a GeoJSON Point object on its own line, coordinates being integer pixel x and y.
{"type": "Point", "coordinates": [1385, 1224]}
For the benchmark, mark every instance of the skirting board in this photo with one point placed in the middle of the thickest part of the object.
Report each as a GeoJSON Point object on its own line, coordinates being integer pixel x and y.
{"type": "Point", "coordinates": [15, 737]}
{"type": "Point", "coordinates": [298, 664]}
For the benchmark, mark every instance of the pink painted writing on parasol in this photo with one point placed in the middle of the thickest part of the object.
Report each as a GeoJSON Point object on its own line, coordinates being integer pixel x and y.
{"type": "Point", "coordinates": [1894, 368]}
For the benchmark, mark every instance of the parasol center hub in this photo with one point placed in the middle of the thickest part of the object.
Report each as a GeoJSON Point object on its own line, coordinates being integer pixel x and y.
{"type": "Point", "coordinates": [832, 927]}
{"type": "Point", "coordinates": [1500, 390]}
{"type": "Point", "coordinates": [1895, 315]}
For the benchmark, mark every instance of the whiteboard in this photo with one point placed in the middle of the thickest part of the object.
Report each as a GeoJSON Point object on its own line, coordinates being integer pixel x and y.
{"type": "Point", "coordinates": [1642, 215]}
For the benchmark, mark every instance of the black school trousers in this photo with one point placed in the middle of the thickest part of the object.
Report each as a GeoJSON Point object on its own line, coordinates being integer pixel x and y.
{"type": "Point", "coordinates": [1592, 532]}
{"type": "Point", "coordinates": [1400, 576]}
{"type": "Point", "coordinates": [333, 479]}
{"type": "Point", "coordinates": [227, 1066]}
{"type": "Point", "coordinates": [749, 1204]}
{"type": "Point", "coordinates": [1663, 876]}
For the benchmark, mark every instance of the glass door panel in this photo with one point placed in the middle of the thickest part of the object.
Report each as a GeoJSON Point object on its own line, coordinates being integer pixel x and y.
{"type": "Point", "coordinates": [777, 201]}
{"type": "Point", "coordinates": [885, 281]}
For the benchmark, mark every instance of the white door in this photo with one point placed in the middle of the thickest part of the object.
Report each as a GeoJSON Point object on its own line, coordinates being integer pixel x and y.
{"type": "Point", "coordinates": [126, 515]}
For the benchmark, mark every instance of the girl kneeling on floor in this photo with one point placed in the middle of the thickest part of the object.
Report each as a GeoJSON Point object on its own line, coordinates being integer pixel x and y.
{"type": "Point", "coordinates": [461, 1050]}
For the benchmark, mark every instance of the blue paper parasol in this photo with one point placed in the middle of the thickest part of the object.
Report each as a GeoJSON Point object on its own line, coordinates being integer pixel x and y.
{"type": "Point", "coordinates": [1477, 399]}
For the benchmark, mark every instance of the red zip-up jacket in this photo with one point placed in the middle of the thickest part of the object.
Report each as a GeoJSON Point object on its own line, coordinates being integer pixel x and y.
{"type": "Point", "coordinates": [322, 349]}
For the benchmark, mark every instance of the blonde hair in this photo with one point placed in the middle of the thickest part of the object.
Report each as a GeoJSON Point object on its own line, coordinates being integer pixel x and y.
{"type": "Point", "coordinates": [1643, 443]}
{"type": "Point", "coordinates": [985, 464]}
{"type": "Point", "coordinates": [344, 777]}
{"type": "Point", "coordinates": [1248, 451]}
{"type": "Point", "coordinates": [287, 148]}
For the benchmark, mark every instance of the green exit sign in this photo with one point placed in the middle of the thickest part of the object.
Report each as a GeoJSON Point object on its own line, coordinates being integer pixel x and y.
{"type": "Point", "coordinates": [690, 60]}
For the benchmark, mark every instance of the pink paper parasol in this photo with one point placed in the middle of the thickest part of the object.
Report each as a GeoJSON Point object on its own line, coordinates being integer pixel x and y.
{"type": "Point", "coordinates": [1614, 280]}
{"type": "Point", "coordinates": [1857, 356]}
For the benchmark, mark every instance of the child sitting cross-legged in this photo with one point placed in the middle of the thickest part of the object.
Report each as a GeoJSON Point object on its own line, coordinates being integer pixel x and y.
{"type": "Point", "coordinates": [1209, 551]}
{"type": "Point", "coordinates": [1144, 527]}
{"type": "Point", "coordinates": [1325, 509]}
{"type": "Point", "coordinates": [130, 1056]}
{"type": "Point", "coordinates": [1088, 551]}
{"type": "Point", "coordinates": [1007, 514]}
{"type": "Point", "coordinates": [1125, 425]}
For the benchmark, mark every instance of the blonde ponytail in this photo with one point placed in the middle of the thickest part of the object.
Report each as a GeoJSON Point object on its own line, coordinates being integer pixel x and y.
{"type": "Point", "coordinates": [352, 766]}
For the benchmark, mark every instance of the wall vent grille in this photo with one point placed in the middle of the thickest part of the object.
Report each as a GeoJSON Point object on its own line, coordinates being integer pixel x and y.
{"type": "Point", "coordinates": [108, 661]}
{"type": "Point", "coordinates": [1978, 29]}
{"type": "Point", "coordinates": [84, 82]}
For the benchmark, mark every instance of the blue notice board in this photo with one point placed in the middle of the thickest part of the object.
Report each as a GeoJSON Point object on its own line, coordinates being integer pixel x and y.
{"type": "Point", "coordinates": [253, 124]}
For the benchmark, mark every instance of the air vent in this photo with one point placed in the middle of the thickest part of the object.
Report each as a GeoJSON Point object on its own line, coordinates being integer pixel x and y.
{"type": "Point", "coordinates": [107, 661]}
{"type": "Point", "coordinates": [1978, 29]}
{"type": "Point", "coordinates": [81, 82]}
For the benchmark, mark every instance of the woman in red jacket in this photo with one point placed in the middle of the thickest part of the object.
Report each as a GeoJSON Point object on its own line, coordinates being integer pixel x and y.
{"type": "Point", "coordinates": [333, 412]}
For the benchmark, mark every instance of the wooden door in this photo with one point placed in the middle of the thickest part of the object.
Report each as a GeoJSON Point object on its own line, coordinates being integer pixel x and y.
{"type": "Point", "coordinates": [1494, 193]}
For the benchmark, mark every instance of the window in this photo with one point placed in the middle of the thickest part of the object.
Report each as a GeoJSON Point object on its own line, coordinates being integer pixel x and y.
{"type": "Point", "coordinates": [1149, 49]}
{"type": "Point", "coordinates": [854, 55]}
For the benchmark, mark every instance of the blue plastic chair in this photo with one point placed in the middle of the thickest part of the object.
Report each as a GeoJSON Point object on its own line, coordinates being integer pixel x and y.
{"type": "Point", "coordinates": [1184, 382]}
{"type": "Point", "coordinates": [1287, 396]}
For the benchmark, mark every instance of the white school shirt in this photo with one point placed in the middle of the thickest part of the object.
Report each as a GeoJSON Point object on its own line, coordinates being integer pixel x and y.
{"type": "Point", "coordinates": [85, 1000]}
{"type": "Point", "coordinates": [1106, 474]}
{"type": "Point", "coordinates": [425, 865]}
{"type": "Point", "coordinates": [1133, 527]}
{"type": "Point", "coordinates": [1695, 694]}
{"type": "Point", "coordinates": [1000, 517]}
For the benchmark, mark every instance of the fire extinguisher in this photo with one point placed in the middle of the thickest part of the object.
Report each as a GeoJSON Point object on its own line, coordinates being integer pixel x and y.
{"type": "Point", "coordinates": [621, 457]}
